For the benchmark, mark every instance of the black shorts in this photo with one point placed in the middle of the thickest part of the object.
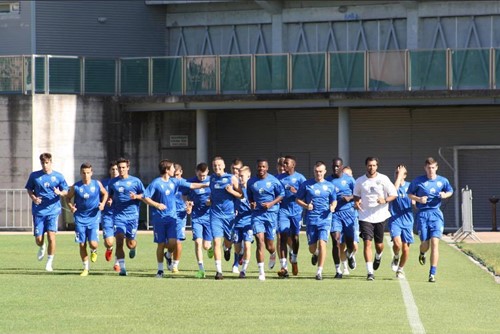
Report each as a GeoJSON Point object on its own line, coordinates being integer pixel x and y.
{"type": "Point", "coordinates": [370, 231]}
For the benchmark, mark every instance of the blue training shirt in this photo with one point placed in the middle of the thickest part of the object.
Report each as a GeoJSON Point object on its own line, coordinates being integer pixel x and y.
{"type": "Point", "coordinates": [263, 191]}
{"type": "Point", "coordinates": [288, 206]}
{"type": "Point", "coordinates": [422, 186]}
{"type": "Point", "coordinates": [199, 198]}
{"type": "Point", "coordinates": [321, 195]}
{"type": "Point", "coordinates": [344, 186]}
{"type": "Point", "coordinates": [87, 199]}
{"type": "Point", "coordinates": [222, 202]}
{"type": "Point", "coordinates": [43, 185]}
{"type": "Point", "coordinates": [400, 208]}
{"type": "Point", "coordinates": [244, 216]}
{"type": "Point", "coordinates": [125, 208]}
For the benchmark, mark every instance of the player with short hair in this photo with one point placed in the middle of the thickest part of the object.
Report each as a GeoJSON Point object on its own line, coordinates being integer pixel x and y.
{"type": "Point", "coordinates": [45, 188]}
{"type": "Point", "coordinates": [108, 227]}
{"type": "Point", "coordinates": [428, 191]}
{"type": "Point", "coordinates": [318, 197]}
{"type": "Point", "coordinates": [89, 200]}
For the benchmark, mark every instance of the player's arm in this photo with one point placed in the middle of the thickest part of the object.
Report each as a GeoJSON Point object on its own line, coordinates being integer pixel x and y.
{"type": "Point", "coordinates": [37, 200]}
{"type": "Point", "coordinates": [156, 205]}
{"type": "Point", "coordinates": [234, 188]}
{"type": "Point", "coordinates": [69, 196]}
{"type": "Point", "coordinates": [104, 196]}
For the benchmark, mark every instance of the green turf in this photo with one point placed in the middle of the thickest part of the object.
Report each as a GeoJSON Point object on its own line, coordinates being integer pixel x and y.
{"type": "Point", "coordinates": [488, 254]}
{"type": "Point", "coordinates": [463, 300]}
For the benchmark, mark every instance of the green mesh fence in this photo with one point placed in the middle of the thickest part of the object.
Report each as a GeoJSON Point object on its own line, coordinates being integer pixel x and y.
{"type": "Point", "coordinates": [428, 70]}
{"type": "Point", "coordinates": [167, 75]}
{"type": "Point", "coordinates": [64, 75]}
{"type": "Point", "coordinates": [271, 74]}
{"type": "Point", "coordinates": [347, 71]}
{"type": "Point", "coordinates": [201, 75]}
{"type": "Point", "coordinates": [39, 74]}
{"type": "Point", "coordinates": [11, 75]}
{"type": "Point", "coordinates": [308, 72]}
{"type": "Point", "coordinates": [100, 76]}
{"type": "Point", "coordinates": [235, 74]}
{"type": "Point", "coordinates": [470, 69]}
{"type": "Point", "coordinates": [134, 76]}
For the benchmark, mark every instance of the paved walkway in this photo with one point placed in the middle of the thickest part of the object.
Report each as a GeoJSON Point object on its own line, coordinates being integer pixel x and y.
{"type": "Point", "coordinates": [484, 237]}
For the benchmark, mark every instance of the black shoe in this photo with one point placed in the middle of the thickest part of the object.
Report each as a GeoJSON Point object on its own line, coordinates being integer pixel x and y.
{"type": "Point", "coordinates": [283, 273]}
{"type": "Point", "coordinates": [351, 261]}
{"type": "Point", "coordinates": [314, 259]}
{"type": "Point", "coordinates": [319, 277]}
{"type": "Point", "coordinates": [432, 278]}
{"type": "Point", "coordinates": [227, 254]}
{"type": "Point", "coordinates": [421, 258]}
{"type": "Point", "coordinates": [218, 276]}
{"type": "Point", "coordinates": [376, 263]}
{"type": "Point", "coordinates": [338, 275]}
{"type": "Point", "coordinates": [370, 277]}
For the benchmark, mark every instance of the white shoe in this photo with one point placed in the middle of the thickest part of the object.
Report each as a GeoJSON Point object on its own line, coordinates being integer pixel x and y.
{"type": "Point", "coordinates": [236, 270]}
{"type": "Point", "coordinates": [41, 252]}
{"type": "Point", "coordinates": [48, 267]}
{"type": "Point", "coordinates": [395, 264]}
{"type": "Point", "coordinates": [346, 272]}
{"type": "Point", "coordinates": [262, 277]}
{"type": "Point", "coordinates": [400, 274]}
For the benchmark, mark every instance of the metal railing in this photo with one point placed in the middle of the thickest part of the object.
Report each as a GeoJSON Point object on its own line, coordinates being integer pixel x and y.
{"type": "Point", "coordinates": [399, 70]}
{"type": "Point", "coordinates": [15, 210]}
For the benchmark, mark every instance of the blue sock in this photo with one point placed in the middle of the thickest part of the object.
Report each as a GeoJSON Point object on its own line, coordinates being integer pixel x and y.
{"type": "Point", "coordinates": [236, 259]}
{"type": "Point", "coordinates": [433, 270]}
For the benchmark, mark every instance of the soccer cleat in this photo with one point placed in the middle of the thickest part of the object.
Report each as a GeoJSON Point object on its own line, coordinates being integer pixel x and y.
{"type": "Point", "coordinates": [351, 262]}
{"type": "Point", "coordinates": [159, 274]}
{"type": "Point", "coordinates": [319, 277]}
{"type": "Point", "coordinates": [85, 272]}
{"type": "Point", "coordinates": [48, 267]}
{"type": "Point", "coordinates": [218, 276]}
{"type": "Point", "coordinates": [295, 268]}
{"type": "Point", "coordinates": [109, 254]}
{"type": "Point", "coordinates": [210, 253]}
{"type": "Point", "coordinates": [283, 273]}
{"type": "Point", "coordinates": [131, 253]}
{"type": "Point", "coordinates": [370, 277]}
{"type": "Point", "coordinates": [93, 256]}
{"type": "Point", "coordinates": [432, 278]}
{"type": "Point", "coordinates": [346, 272]}
{"type": "Point", "coordinates": [262, 277]}
{"type": "Point", "coordinates": [175, 270]}
{"type": "Point", "coordinates": [243, 274]}
{"type": "Point", "coordinates": [421, 258]}
{"type": "Point", "coordinates": [376, 263]}
{"type": "Point", "coordinates": [123, 272]}
{"type": "Point", "coordinates": [395, 264]}
{"type": "Point", "coordinates": [236, 270]}
{"type": "Point", "coordinates": [338, 275]}
{"type": "Point", "coordinates": [169, 261]}
{"type": "Point", "coordinates": [272, 260]}
{"type": "Point", "coordinates": [200, 274]}
{"type": "Point", "coordinates": [227, 254]}
{"type": "Point", "coordinates": [314, 259]}
{"type": "Point", "coordinates": [41, 252]}
{"type": "Point", "coordinates": [116, 267]}
{"type": "Point", "coordinates": [400, 274]}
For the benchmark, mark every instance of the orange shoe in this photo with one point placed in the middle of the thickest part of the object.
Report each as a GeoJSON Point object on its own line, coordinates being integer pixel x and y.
{"type": "Point", "coordinates": [295, 268]}
{"type": "Point", "coordinates": [108, 254]}
{"type": "Point", "coordinates": [116, 268]}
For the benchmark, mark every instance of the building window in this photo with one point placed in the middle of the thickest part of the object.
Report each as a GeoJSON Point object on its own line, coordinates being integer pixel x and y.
{"type": "Point", "coordinates": [11, 7]}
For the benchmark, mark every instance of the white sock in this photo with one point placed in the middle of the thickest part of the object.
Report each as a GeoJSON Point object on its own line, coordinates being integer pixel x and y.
{"type": "Point", "coordinates": [369, 267]}
{"type": "Point", "coordinates": [160, 266]}
{"type": "Point", "coordinates": [50, 258]}
{"type": "Point", "coordinates": [337, 268]}
{"type": "Point", "coordinates": [201, 266]}
{"type": "Point", "coordinates": [320, 270]}
{"type": "Point", "coordinates": [283, 263]}
{"type": "Point", "coordinates": [378, 256]}
{"type": "Point", "coordinates": [396, 256]}
{"type": "Point", "coordinates": [175, 264]}
{"type": "Point", "coordinates": [245, 265]}
{"type": "Point", "coordinates": [121, 262]}
{"type": "Point", "coordinates": [294, 258]}
{"type": "Point", "coordinates": [260, 265]}
{"type": "Point", "coordinates": [218, 266]}
{"type": "Point", "coordinates": [344, 263]}
{"type": "Point", "coordinates": [316, 252]}
{"type": "Point", "coordinates": [85, 265]}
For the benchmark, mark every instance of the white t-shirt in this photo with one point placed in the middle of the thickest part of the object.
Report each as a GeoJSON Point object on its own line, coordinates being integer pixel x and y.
{"type": "Point", "coordinates": [369, 190]}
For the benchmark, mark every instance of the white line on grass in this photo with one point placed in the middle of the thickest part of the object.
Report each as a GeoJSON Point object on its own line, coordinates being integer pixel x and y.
{"type": "Point", "coordinates": [411, 308]}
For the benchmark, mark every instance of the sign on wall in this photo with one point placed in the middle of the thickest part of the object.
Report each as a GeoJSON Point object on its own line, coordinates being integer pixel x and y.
{"type": "Point", "coordinates": [179, 141]}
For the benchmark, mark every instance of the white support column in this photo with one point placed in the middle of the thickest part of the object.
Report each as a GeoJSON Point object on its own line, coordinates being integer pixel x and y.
{"type": "Point", "coordinates": [343, 135]}
{"type": "Point", "coordinates": [201, 136]}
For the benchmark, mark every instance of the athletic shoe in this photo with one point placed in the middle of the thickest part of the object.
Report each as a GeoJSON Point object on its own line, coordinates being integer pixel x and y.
{"type": "Point", "coordinates": [262, 277]}
{"type": "Point", "coordinates": [400, 274]}
{"type": "Point", "coordinates": [93, 256]}
{"type": "Point", "coordinates": [432, 278]}
{"type": "Point", "coordinates": [376, 263]}
{"type": "Point", "coordinates": [295, 268]}
{"type": "Point", "coordinates": [338, 275]}
{"type": "Point", "coordinates": [48, 267]}
{"type": "Point", "coordinates": [421, 258]}
{"type": "Point", "coordinates": [85, 272]}
{"type": "Point", "coordinates": [243, 274]}
{"type": "Point", "coordinates": [283, 273]}
{"type": "Point", "coordinates": [272, 260]}
{"type": "Point", "coordinates": [159, 274]}
{"type": "Point", "coordinates": [346, 272]}
{"type": "Point", "coordinates": [109, 254]}
{"type": "Point", "coordinates": [218, 276]}
{"type": "Point", "coordinates": [351, 262]}
{"type": "Point", "coordinates": [210, 252]}
{"type": "Point", "coordinates": [41, 252]}
{"type": "Point", "coordinates": [395, 264]}
{"type": "Point", "coordinates": [319, 277]}
{"type": "Point", "coordinates": [314, 259]}
{"type": "Point", "coordinates": [200, 274]}
{"type": "Point", "coordinates": [169, 261]}
{"type": "Point", "coordinates": [175, 270]}
{"type": "Point", "coordinates": [370, 277]}
{"type": "Point", "coordinates": [131, 253]}
{"type": "Point", "coordinates": [116, 268]}
{"type": "Point", "coordinates": [227, 254]}
{"type": "Point", "coordinates": [123, 272]}
{"type": "Point", "coordinates": [236, 270]}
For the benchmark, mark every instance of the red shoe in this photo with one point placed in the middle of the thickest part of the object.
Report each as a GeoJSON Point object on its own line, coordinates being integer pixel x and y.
{"type": "Point", "coordinates": [295, 269]}
{"type": "Point", "coordinates": [108, 254]}
{"type": "Point", "coordinates": [116, 267]}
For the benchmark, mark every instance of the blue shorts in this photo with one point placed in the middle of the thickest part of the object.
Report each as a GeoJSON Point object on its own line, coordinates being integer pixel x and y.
{"type": "Point", "coordinates": [181, 226]}
{"type": "Point", "coordinates": [430, 224]}
{"type": "Point", "coordinates": [355, 238]}
{"type": "Point", "coordinates": [201, 228]}
{"type": "Point", "coordinates": [221, 227]}
{"type": "Point", "coordinates": [317, 232]}
{"type": "Point", "coordinates": [108, 228]}
{"type": "Point", "coordinates": [242, 233]}
{"type": "Point", "coordinates": [128, 228]}
{"type": "Point", "coordinates": [165, 230]}
{"type": "Point", "coordinates": [289, 224]}
{"type": "Point", "coordinates": [398, 229]}
{"type": "Point", "coordinates": [265, 222]}
{"type": "Point", "coordinates": [42, 224]}
{"type": "Point", "coordinates": [84, 233]}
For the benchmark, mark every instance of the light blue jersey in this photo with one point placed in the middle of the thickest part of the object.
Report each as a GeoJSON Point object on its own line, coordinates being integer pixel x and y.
{"type": "Point", "coordinates": [422, 186]}
{"type": "Point", "coordinates": [344, 186]}
{"type": "Point", "coordinates": [199, 198]}
{"type": "Point", "coordinates": [124, 208]}
{"type": "Point", "coordinates": [321, 195]}
{"type": "Point", "coordinates": [87, 200]}
{"type": "Point", "coordinates": [164, 191]}
{"type": "Point", "coordinates": [244, 216]}
{"type": "Point", "coordinates": [222, 201]}
{"type": "Point", "coordinates": [288, 206]}
{"type": "Point", "coordinates": [42, 185]}
{"type": "Point", "coordinates": [400, 208]}
{"type": "Point", "coordinates": [264, 191]}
